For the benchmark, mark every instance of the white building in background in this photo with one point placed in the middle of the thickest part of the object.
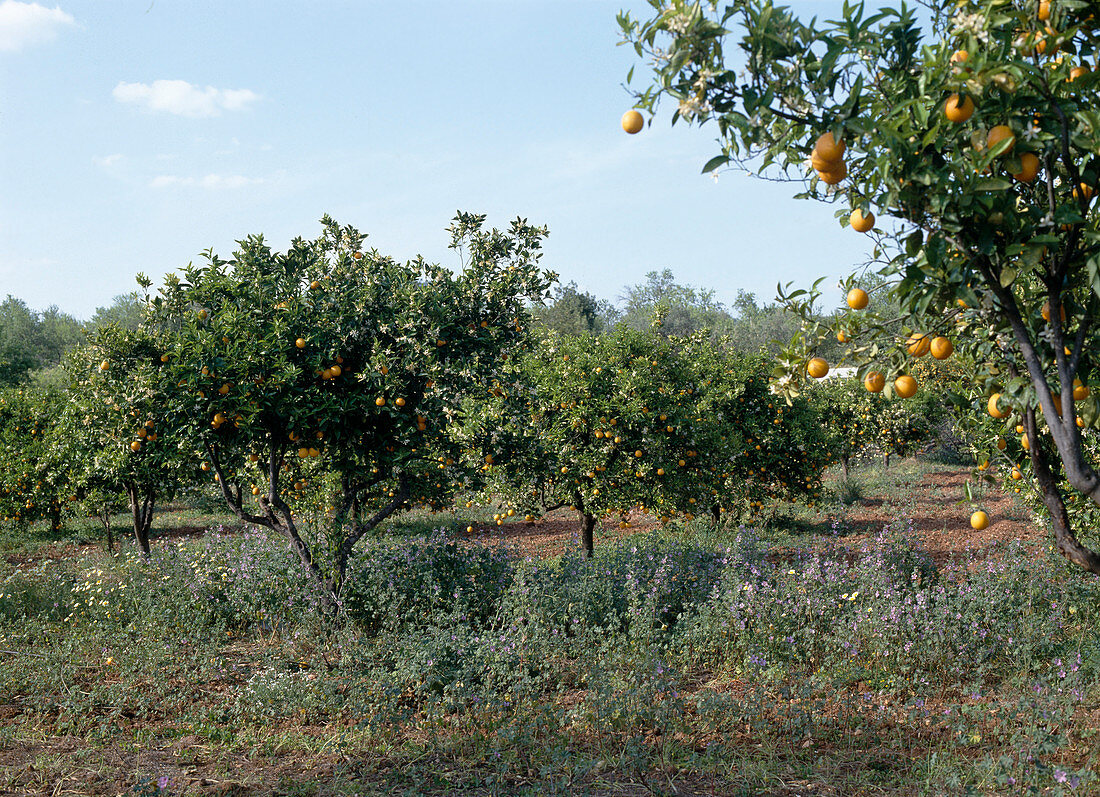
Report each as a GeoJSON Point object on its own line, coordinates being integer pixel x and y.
{"type": "Point", "coordinates": [841, 373]}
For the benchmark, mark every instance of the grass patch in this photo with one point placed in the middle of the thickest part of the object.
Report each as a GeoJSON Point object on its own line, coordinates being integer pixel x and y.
{"type": "Point", "coordinates": [692, 658]}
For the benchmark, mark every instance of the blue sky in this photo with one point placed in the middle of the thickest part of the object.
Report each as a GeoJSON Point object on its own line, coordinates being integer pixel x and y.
{"type": "Point", "coordinates": [136, 134]}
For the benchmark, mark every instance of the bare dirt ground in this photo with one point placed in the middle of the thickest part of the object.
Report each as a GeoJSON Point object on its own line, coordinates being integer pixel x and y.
{"type": "Point", "coordinates": [933, 502]}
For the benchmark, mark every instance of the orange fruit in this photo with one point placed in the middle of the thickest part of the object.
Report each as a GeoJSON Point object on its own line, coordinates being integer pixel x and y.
{"type": "Point", "coordinates": [817, 367]}
{"type": "Point", "coordinates": [1044, 10]}
{"type": "Point", "coordinates": [135, 446]}
{"type": "Point", "coordinates": [999, 133]}
{"type": "Point", "coordinates": [993, 408]}
{"type": "Point", "coordinates": [1029, 167]}
{"type": "Point", "coordinates": [400, 402]}
{"type": "Point", "coordinates": [1080, 390]}
{"type": "Point", "coordinates": [828, 148]}
{"type": "Point", "coordinates": [958, 108]}
{"type": "Point", "coordinates": [1078, 71]}
{"type": "Point", "coordinates": [959, 56]}
{"type": "Point", "coordinates": [103, 366]}
{"type": "Point", "coordinates": [941, 348]}
{"type": "Point", "coordinates": [1016, 474]}
{"type": "Point", "coordinates": [979, 521]}
{"type": "Point", "coordinates": [1084, 190]}
{"type": "Point", "coordinates": [918, 345]}
{"type": "Point", "coordinates": [842, 337]}
{"type": "Point", "coordinates": [314, 285]}
{"type": "Point", "coordinates": [861, 222]}
{"type": "Point", "coordinates": [379, 402]}
{"type": "Point", "coordinates": [834, 175]}
{"type": "Point", "coordinates": [336, 370]}
{"type": "Point", "coordinates": [905, 386]}
{"type": "Point", "coordinates": [824, 164]}
{"type": "Point", "coordinates": [1002, 444]}
{"type": "Point", "coordinates": [633, 122]}
{"type": "Point", "coordinates": [300, 343]}
{"type": "Point", "coordinates": [857, 298]}
{"type": "Point", "coordinates": [874, 382]}
{"type": "Point", "coordinates": [1046, 312]}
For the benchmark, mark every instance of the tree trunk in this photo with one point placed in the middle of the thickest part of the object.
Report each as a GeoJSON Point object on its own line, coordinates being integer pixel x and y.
{"type": "Point", "coordinates": [105, 519]}
{"type": "Point", "coordinates": [886, 461]}
{"type": "Point", "coordinates": [716, 513]}
{"type": "Point", "coordinates": [141, 509]}
{"type": "Point", "coordinates": [586, 534]}
{"type": "Point", "coordinates": [844, 465]}
{"type": "Point", "coordinates": [1068, 544]}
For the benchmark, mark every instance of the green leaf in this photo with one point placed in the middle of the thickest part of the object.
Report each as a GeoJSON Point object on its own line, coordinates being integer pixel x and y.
{"type": "Point", "coordinates": [714, 163]}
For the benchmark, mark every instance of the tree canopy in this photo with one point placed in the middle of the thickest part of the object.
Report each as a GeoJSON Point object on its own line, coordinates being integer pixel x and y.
{"type": "Point", "coordinates": [973, 126]}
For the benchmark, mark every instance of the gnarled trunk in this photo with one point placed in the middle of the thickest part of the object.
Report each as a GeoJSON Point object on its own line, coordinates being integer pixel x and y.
{"type": "Point", "coordinates": [141, 508]}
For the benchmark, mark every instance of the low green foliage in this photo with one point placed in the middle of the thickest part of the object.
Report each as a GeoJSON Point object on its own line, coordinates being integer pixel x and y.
{"type": "Point", "coordinates": [659, 653]}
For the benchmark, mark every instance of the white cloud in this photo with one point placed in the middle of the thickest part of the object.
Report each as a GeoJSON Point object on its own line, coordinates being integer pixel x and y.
{"type": "Point", "coordinates": [107, 161]}
{"type": "Point", "coordinates": [213, 182]}
{"type": "Point", "coordinates": [181, 98]}
{"type": "Point", "coordinates": [22, 24]}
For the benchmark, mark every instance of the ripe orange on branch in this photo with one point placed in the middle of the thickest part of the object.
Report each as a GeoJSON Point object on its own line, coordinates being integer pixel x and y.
{"type": "Point", "coordinates": [632, 122]}
{"type": "Point", "coordinates": [857, 298]}
{"type": "Point", "coordinates": [918, 345]}
{"type": "Point", "coordinates": [941, 348]}
{"type": "Point", "coordinates": [993, 407]}
{"type": "Point", "coordinates": [860, 222]}
{"type": "Point", "coordinates": [999, 133]}
{"type": "Point", "coordinates": [828, 148]}
{"type": "Point", "coordinates": [817, 367]}
{"type": "Point", "coordinates": [874, 382]}
{"type": "Point", "coordinates": [905, 386]}
{"type": "Point", "coordinates": [827, 158]}
{"type": "Point", "coordinates": [958, 108]}
{"type": "Point", "coordinates": [1029, 167]}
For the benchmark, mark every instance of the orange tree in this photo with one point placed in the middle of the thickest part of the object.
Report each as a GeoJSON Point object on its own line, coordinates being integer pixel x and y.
{"type": "Point", "coordinates": [110, 436]}
{"type": "Point", "coordinates": [848, 413]}
{"type": "Point", "coordinates": [974, 127]}
{"type": "Point", "coordinates": [32, 485]}
{"type": "Point", "coordinates": [784, 449]}
{"type": "Point", "coordinates": [328, 359]}
{"type": "Point", "coordinates": [673, 426]}
{"type": "Point", "coordinates": [600, 424]}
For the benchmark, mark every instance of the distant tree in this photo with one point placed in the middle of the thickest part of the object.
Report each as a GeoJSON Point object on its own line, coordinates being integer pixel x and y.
{"type": "Point", "coordinates": [759, 328]}
{"type": "Point", "coordinates": [17, 336]}
{"type": "Point", "coordinates": [684, 309]}
{"type": "Point", "coordinates": [125, 312]}
{"type": "Point", "coordinates": [31, 341]}
{"type": "Point", "coordinates": [56, 332]}
{"type": "Point", "coordinates": [575, 313]}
